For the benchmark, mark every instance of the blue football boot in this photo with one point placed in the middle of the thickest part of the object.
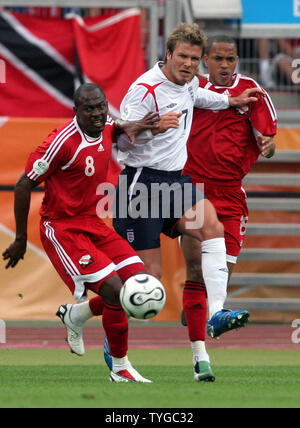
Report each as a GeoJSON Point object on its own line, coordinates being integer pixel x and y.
{"type": "Point", "coordinates": [107, 354]}
{"type": "Point", "coordinates": [226, 320]}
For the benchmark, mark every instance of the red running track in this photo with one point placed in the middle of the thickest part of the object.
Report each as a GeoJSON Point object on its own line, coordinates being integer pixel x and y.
{"type": "Point", "coordinates": [157, 336]}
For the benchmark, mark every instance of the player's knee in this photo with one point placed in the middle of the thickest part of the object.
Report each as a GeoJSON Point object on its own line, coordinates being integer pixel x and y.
{"type": "Point", "coordinates": [213, 229]}
{"type": "Point", "coordinates": [110, 290]}
{"type": "Point", "coordinates": [153, 269]}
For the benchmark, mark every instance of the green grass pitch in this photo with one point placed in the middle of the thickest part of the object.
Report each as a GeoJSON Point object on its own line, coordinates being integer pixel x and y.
{"type": "Point", "coordinates": [49, 378]}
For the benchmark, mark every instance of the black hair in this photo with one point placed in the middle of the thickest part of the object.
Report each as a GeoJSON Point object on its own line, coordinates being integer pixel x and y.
{"type": "Point", "coordinates": [219, 39]}
{"type": "Point", "coordinates": [85, 87]}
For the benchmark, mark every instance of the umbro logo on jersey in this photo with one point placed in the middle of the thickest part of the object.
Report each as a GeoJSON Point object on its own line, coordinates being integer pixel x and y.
{"type": "Point", "coordinates": [171, 105]}
{"type": "Point", "coordinates": [100, 148]}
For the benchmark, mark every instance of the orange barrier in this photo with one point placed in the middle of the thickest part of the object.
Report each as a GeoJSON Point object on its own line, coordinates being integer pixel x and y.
{"type": "Point", "coordinates": [288, 139]}
{"type": "Point", "coordinates": [33, 289]}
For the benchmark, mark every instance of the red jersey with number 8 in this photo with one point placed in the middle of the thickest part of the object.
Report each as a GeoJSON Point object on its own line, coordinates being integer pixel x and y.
{"type": "Point", "coordinates": [72, 165]}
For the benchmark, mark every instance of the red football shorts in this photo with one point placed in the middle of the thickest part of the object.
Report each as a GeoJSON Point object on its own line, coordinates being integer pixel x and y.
{"type": "Point", "coordinates": [85, 252]}
{"type": "Point", "coordinates": [231, 206]}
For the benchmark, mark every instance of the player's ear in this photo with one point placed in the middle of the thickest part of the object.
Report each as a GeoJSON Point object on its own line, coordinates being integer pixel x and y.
{"type": "Point", "coordinates": [168, 54]}
{"type": "Point", "coordinates": [205, 57]}
{"type": "Point", "coordinates": [75, 109]}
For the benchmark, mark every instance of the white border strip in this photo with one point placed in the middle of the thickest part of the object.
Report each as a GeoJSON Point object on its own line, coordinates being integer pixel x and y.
{"type": "Point", "coordinates": [113, 20]}
{"type": "Point", "coordinates": [130, 261]}
{"type": "Point", "coordinates": [3, 120]}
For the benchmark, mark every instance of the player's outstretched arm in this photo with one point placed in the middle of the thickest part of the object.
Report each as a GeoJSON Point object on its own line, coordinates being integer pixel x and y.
{"type": "Point", "coordinates": [17, 248]}
{"type": "Point", "coordinates": [134, 127]}
{"type": "Point", "coordinates": [246, 97]}
{"type": "Point", "coordinates": [167, 121]}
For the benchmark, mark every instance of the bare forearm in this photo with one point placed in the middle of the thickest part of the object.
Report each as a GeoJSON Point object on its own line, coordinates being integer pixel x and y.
{"type": "Point", "coordinates": [21, 206]}
{"type": "Point", "coordinates": [136, 127]}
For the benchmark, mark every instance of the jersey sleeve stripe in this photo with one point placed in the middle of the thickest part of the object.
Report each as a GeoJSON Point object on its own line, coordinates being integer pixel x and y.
{"type": "Point", "coordinates": [58, 146]}
{"type": "Point", "coordinates": [33, 176]}
{"type": "Point", "coordinates": [57, 141]}
{"type": "Point", "coordinates": [266, 98]}
{"type": "Point", "coordinates": [271, 107]}
{"type": "Point", "coordinates": [54, 149]}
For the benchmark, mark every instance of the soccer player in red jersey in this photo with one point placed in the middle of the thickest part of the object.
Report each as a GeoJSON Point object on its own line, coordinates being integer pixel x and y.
{"type": "Point", "coordinates": [87, 254]}
{"type": "Point", "coordinates": [222, 147]}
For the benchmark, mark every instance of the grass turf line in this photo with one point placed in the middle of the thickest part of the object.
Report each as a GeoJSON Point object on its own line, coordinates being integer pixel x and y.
{"type": "Point", "coordinates": [55, 378]}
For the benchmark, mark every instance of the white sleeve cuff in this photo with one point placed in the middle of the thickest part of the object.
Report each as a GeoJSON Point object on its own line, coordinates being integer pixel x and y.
{"type": "Point", "coordinates": [210, 100]}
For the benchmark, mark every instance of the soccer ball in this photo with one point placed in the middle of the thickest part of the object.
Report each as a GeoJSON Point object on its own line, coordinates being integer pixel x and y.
{"type": "Point", "coordinates": [142, 296]}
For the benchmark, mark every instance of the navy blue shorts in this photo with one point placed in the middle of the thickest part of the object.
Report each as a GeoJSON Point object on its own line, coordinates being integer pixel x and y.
{"type": "Point", "coordinates": [149, 202]}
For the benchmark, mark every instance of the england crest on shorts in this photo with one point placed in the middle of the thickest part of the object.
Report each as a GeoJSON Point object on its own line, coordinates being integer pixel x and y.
{"type": "Point", "coordinates": [130, 235]}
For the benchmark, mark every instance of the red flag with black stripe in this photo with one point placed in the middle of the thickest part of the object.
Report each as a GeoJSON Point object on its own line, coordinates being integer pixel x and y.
{"type": "Point", "coordinates": [40, 62]}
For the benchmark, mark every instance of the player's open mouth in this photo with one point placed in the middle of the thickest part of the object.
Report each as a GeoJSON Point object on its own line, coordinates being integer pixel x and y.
{"type": "Point", "coordinates": [185, 73]}
{"type": "Point", "coordinates": [97, 123]}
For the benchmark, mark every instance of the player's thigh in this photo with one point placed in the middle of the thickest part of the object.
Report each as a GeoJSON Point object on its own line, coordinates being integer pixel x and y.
{"type": "Point", "coordinates": [201, 222]}
{"type": "Point", "coordinates": [152, 261]}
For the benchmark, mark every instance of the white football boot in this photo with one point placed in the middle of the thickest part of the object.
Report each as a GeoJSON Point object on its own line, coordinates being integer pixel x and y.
{"type": "Point", "coordinates": [128, 375]}
{"type": "Point", "coordinates": [74, 339]}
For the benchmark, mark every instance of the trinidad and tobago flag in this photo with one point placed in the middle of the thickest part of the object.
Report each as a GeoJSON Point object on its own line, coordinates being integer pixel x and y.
{"type": "Point", "coordinates": [46, 59]}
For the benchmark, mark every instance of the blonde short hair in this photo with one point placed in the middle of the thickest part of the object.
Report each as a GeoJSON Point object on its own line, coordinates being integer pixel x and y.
{"type": "Point", "coordinates": [188, 34]}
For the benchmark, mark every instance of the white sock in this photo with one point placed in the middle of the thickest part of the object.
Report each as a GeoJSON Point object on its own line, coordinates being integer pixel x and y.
{"type": "Point", "coordinates": [80, 313]}
{"type": "Point", "coordinates": [215, 273]}
{"type": "Point", "coordinates": [199, 351]}
{"type": "Point", "coordinates": [120, 364]}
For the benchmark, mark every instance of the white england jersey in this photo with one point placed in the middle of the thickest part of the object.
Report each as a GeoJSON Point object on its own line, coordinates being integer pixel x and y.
{"type": "Point", "coordinates": [153, 91]}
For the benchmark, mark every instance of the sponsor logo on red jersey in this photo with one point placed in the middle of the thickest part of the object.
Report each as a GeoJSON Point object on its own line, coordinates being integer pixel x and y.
{"type": "Point", "coordinates": [85, 261]}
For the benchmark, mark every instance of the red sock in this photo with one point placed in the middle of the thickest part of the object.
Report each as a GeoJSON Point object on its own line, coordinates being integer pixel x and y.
{"type": "Point", "coordinates": [115, 324]}
{"type": "Point", "coordinates": [195, 309]}
{"type": "Point", "coordinates": [96, 305]}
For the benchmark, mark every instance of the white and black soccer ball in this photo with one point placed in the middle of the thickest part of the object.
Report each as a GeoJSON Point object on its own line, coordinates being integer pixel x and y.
{"type": "Point", "coordinates": [142, 296]}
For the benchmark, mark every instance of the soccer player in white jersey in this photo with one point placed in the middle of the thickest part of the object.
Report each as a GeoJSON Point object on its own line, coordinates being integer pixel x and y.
{"type": "Point", "coordinates": [87, 254]}
{"type": "Point", "coordinates": [158, 156]}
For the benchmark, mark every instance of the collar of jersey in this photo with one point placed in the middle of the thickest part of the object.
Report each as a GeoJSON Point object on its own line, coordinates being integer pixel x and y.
{"type": "Point", "coordinates": [85, 137]}
{"type": "Point", "coordinates": [236, 78]}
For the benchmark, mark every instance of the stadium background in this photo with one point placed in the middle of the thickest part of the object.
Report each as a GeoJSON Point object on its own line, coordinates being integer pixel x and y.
{"type": "Point", "coordinates": [36, 88]}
